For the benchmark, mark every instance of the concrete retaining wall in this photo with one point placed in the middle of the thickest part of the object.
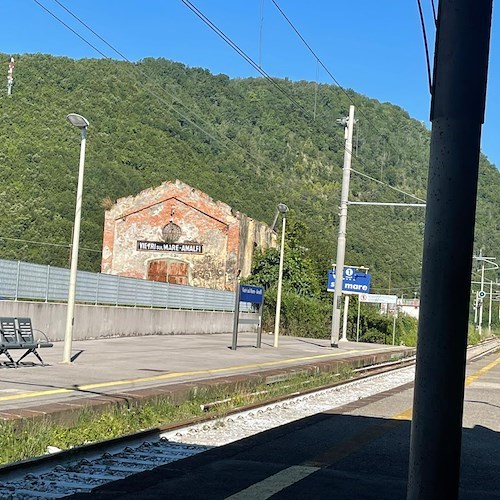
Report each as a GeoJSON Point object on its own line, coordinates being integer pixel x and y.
{"type": "Point", "coordinates": [103, 321]}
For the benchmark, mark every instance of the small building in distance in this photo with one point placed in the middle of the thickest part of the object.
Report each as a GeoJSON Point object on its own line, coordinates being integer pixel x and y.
{"type": "Point", "coordinates": [175, 233]}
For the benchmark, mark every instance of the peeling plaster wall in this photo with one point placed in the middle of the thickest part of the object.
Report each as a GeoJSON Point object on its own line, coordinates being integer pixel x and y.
{"type": "Point", "coordinates": [228, 237]}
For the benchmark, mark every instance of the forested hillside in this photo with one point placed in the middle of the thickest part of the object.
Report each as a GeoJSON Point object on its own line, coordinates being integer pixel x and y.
{"type": "Point", "coordinates": [252, 148]}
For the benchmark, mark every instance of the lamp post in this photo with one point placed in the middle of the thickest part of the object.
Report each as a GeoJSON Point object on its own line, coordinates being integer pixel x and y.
{"type": "Point", "coordinates": [82, 124]}
{"type": "Point", "coordinates": [283, 209]}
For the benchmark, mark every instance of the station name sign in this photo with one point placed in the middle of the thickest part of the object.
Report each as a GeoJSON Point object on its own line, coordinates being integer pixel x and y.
{"type": "Point", "coordinates": [161, 246]}
{"type": "Point", "coordinates": [354, 281]}
{"type": "Point", "coordinates": [253, 294]}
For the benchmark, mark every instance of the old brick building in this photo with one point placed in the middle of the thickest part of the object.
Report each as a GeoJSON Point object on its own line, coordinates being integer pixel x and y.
{"type": "Point", "coordinates": [177, 234]}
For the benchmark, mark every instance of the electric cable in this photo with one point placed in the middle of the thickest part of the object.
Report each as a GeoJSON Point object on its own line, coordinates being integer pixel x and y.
{"type": "Point", "coordinates": [64, 245]}
{"type": "Point", "coordinates": [241, 52]}
{"type": "Point", "coordinates": [234, 46]}
{"type": "Point", "coordinates": [255, 66]}
{"type": "Point", "coordinates": [145, 75]}
{"type": "Point", "coordinates": [320, 62]}
{"type": "Point", "coordinates": [424, 34]}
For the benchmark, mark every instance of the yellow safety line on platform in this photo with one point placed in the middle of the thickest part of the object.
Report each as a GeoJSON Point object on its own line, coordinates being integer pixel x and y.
{"type": "Point", "coordinates": [472, 378]}
{"type": "Point", "coordinates": [406, 415]}
{"type": "Point", "coordinates": [167, 376]}
{"type": "Point", "coordinates": [366, 436]}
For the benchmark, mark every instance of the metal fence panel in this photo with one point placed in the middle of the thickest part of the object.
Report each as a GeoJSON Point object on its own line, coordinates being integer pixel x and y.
{"type": "Point", "coordinates": [23, 280]}
{"type": "Point", "coordinates": [107, 289]}
{"type": "Point", "coordinates": [32, 282]}
{"type": "Point", "coordinates": [8, 279]}
{"type": "Point", "coordinates": [58, 284]}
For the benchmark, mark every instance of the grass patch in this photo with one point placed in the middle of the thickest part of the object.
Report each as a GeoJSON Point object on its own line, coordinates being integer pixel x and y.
{"type": "Point", "coordinates": [21, 440]}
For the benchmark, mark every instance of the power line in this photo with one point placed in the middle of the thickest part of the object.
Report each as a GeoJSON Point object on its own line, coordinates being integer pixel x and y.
{"type": "Point", "coordinates": [241, 52]}
{"type": "Point", "coordinates": [177, 99]}
{"type": "Point", "coordinates": [255, 65]}
{"type": "Point", "coordinates": [70, 28]}
{"type": "Point", "coordinates": [154, 94]}
{"type": "Point", "coordinates": [388, 185]}
{"type": "Point", "coordinates": [320, 62]}
{"type": "Point", "coordinates": [424, 34]}
{"type": "Point", "coordinates": [64, 245]}
{"type": "Point", "coordinates": [227, 40]}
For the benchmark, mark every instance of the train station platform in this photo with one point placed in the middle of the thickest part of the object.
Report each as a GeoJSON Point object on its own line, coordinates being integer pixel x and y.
{"type": "Point", "coordinates": [356, 451]}
{"type": "Point", "coordinates": [125, 370]}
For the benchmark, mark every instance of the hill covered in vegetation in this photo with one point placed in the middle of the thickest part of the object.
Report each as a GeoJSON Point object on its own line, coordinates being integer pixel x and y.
{"type": "Point", "coordinates": [241, 141]}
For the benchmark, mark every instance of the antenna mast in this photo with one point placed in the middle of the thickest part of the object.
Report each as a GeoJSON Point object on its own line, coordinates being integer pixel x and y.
{"type": "Point", "coordinates": [10, 77]}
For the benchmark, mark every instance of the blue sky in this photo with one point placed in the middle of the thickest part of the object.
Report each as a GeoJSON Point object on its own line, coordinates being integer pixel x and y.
{"type": "Point", "coordinates": [373, 47]}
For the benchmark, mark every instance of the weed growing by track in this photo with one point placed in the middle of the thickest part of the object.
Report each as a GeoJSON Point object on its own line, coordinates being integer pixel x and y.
{"type": "Point", "coordinates": [26, 439]}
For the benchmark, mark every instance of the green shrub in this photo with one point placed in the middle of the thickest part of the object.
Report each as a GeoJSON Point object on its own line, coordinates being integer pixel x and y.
{"type": "Point", "coordinates": [299, 316]}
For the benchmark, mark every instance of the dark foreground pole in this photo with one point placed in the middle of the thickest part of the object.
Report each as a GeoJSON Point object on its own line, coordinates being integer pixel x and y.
{"type": "Point", "coordinates": [459, 88]}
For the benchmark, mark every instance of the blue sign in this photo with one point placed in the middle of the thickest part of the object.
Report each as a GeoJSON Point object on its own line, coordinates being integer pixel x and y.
{"type": "Point", "coordinates": [354, 281]}
{"type": "Point", "coordinates": [253, 294]}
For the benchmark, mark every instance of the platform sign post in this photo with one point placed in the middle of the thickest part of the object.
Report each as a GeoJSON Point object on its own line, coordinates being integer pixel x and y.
{"type": "Point", "coordinates": [254, 295]}
{"type": "Point", "coordinates": [236, 317]}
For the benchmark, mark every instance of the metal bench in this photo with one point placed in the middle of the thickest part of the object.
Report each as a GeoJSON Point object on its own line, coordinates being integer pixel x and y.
{"type": "Point", "coordinates": [18, 333]}
{"type": "Point", "coordinates": [8, 337]}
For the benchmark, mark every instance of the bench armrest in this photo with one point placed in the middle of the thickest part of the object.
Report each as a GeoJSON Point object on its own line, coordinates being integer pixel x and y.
{"type": "Point", "coordinates": [44, 335]}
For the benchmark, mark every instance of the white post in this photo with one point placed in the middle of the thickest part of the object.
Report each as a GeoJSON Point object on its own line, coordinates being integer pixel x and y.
{"type": "Point", "coordinates": [491, 305]}
{"type": "Point", "coordinates": [476, 306]}
{"type": "Point", "coordinates": [481, 300]}
{"type": "Point", "coordinates": [346, 309]}
{"type": "Point", "coordinates": [344, 198]}
{"type": "Point", "coordinates": [357, 323]}
{"type": "Point", "coordinates": [394, 324]}
{"type": "Point", "coordinates": [68, 337]}
{"type": "Point", "coordinates": [280, 280]}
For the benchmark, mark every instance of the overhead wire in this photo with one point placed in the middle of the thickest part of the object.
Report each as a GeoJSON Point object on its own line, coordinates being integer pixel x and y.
{"type": "Point", "coordinates": [247, 58]}
{"type": "Point", "coordinates": [232, 44]}
{"type": "Point", "coordinates": [434, 12]}
{"type": "Point", "coordinates": [424, 34]}
{"type": "Point", "coordinates": [149, 90]}
{"type": "Point", "coordinates": [64, 245]}
{"type": "Point", "coordinates": [241, 52]}
{"type": "Point", "coordinates": [320, 62]}
{"type": "Point", "coordinates": [380, 182]}
{"type": "Point", "coordinates": [176, 98]}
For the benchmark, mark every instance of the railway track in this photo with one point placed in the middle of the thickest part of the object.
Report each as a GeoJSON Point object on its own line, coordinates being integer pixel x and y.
{"type": "Point", "coordinates": [84, 468]}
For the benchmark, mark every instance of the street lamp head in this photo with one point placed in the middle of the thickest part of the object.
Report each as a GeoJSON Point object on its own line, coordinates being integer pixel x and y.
{"type": "Point", "coordinates": [78, 120]}
{"type": "Point", "coordinates": [282, 208]}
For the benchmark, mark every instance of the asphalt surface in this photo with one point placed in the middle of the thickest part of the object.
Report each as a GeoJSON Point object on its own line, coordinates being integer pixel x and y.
{"type": "Point", "coordinates": [359, 451]}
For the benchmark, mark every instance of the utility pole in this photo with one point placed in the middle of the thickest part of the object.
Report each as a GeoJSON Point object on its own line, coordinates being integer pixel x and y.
{"type": "Point", "coordinates": [491, 305]}
{"type": "Point", "coordinates": [482, 293]}
{"type": "Point", "coordinates": [344, 199]}
{"type": "Point", "coordinates": [481, 302]}
{"type": "Point", "coordinates": [457, 114]}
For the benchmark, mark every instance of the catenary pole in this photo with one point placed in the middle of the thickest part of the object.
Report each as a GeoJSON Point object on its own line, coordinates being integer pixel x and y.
{"type": "Point", "coordinates": [491, 304]}
{"type": "Point", "coordinates": [481, 301]}
{"type": "Point", "coordinates": [344, 200]}
{"type": "Point", "coordinates": [457, 113]}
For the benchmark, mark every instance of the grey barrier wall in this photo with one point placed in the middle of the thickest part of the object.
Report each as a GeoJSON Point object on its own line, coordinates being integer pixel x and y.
{"type": "Point", "coordinates": [104, 321]}
{"type": "Point", "coordinates": [111, 305]}
{"type": "Point", "coordinates": [26, 281]}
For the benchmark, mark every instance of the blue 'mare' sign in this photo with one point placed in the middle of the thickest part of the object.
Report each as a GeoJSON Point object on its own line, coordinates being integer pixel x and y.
{"type": "Point", "coordinates": [253, 294]}
{"type": "Point", "coordinates": [354, 281]}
